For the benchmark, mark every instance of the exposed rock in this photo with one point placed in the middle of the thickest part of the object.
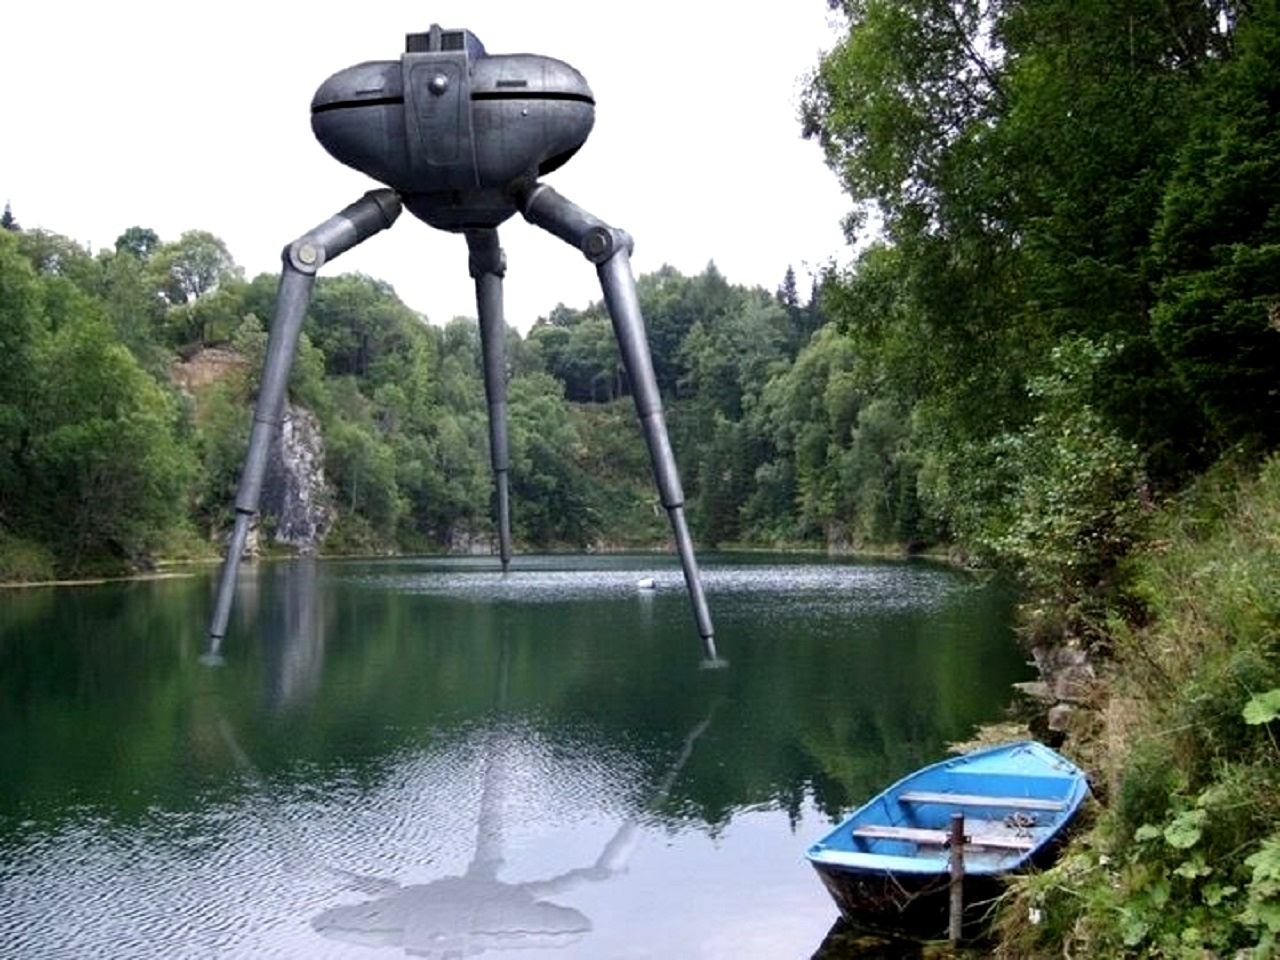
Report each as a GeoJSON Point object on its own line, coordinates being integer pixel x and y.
{"type": "Point", "coordinates": [294, 491]}
{"type": "Point", "coordinates": [1067, 671]}
{"type": "Point", "coordinates": [1060, 715]}
{"type": "Point", "coordinates": [1035, 689]}
{"type": "Point", "coordinates": [205, 367]}
{"type": "Point", "coordinates": [252, 542]}
{"type": "Point", "coordinates": [465, 542]}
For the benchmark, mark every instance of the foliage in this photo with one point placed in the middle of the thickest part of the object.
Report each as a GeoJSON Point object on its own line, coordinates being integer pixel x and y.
{"type": "Point", "coordinates": [25, 561]}
{"type": "Point", "coordinates": [1186, 859]}
{"type": "Point", "coordinates": [1071, 312]}
{"type": "Point", "coordinates": [1066, 312]}
{"type": "Point", "coordinates": [220, 442]}
{"type": "Point", "coordinates": [1075, 492]}
{"type": "Point", "coordinates": [106, 465]}
{"type": "Point", "coordinates": [1217, 242]}
{"type": "Point", "coordinates": [1262, 708]}
{"type": "Point", "coordinates": [1069, 307]}
{"type": "Point", "coordinates": [194, 266]}
{"type": "Point", "coordinates": [552, 494]}
{"type": "Point", "coordinates": [716, 347]}
{"type": "Point", "coordinates": [21, 324]}
{"type": "Point", "coordinates": [93, 468]}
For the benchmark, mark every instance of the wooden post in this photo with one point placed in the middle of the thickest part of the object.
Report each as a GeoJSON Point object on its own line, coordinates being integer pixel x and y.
{"type": "Point", "coordinates": [956, 842]}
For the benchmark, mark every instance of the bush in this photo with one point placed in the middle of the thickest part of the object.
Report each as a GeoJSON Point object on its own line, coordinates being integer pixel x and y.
{"type": "Point", "coordinates": [22, 561]}
{"type": "Point", "coordinates": [1186, 860]}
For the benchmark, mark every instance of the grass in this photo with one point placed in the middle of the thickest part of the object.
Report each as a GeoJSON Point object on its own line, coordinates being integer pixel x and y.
{"type": "Point", "coordinates": [1184, 857]}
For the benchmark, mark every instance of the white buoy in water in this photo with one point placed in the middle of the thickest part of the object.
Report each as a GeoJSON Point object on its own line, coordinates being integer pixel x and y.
{"type": "Point", "coordinates": [646, 583]}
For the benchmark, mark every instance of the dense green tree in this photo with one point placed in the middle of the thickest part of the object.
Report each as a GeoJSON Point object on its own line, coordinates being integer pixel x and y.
{"type": "Point", "coordinates": [803, 319]}
{"type": "Point", "coordinates": [132, 307]}
{"type": "Point", "coordinates": [906, 108]}
{"type": "Point", "coordinates": [897, 104]}
{"type": "Point", "coordinates": [787, 293]}
{"type": "Point", "coordinates": [807, 414]}
{"type": "Point", "coordinates": [668, 302]}
{"type": "Point", "coordinates": [1015, 158]}
{"type": "Point", "coordinates": [138, 241]}
{"type": "Point", "coordinates": [442, 460]}
{"type": "Point", "coordinates": [724, 477]}
{"type": "Point", "coordinates": [56, 256]}
{"type": "Point", "coordinates": [21, 329]}
{"type": "Point", "coordinates": [220, 443]}
{"type": "Point", "coordinates": [729, 355]}
{"type": "Point", "coordinates": [190, 325]}
{"type": "Point", "coordinates": [1217, 243]}
{"type": "Point", "coordinates": [551, 495]}
{"type": "Point", "coordinates": [200, 287]}
{"type": "Point", "coordinates": [357, 323]}
{"type": "Point", "coordinates": [193, 266]}
{"type": "Point", "coordinates": [108, 476]}
{"type": "Point", "coordinates": [362, 465]}
{"type": "Point", "coordinates": [1117, 103]}
{"type": "Point", "coordinates": [578, 348]}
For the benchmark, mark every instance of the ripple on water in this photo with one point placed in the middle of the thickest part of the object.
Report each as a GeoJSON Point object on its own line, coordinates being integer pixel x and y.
{"type": "Point", "coordinates": [244, 877]}
{"type": "Point", "coordinates": [839, 588]}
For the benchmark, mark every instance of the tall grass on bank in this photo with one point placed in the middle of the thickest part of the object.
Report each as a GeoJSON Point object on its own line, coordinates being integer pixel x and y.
{"type": "Point", "coordinates": [1184, 857]}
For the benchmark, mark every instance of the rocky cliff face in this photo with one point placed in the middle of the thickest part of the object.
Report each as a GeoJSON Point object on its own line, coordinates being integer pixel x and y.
{"type": "Point", "coordinates": [295, 493]}
{"type": "Point", "coordinates": [294, 490]}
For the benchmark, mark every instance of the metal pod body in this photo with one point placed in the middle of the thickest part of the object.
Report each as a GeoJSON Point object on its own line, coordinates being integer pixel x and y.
{"type": "Point", "coordinates": [452, 129]}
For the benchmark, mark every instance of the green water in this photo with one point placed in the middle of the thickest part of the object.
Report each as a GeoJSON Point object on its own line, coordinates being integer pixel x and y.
{"type": "Point", "coordinates": [425, 757]}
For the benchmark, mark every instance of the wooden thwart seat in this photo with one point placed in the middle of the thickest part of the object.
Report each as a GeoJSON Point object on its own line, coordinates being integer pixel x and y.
{"type": "Point", "coordinates": [875, 831]}
{"type": "Point", "coordinates": [976, 800]}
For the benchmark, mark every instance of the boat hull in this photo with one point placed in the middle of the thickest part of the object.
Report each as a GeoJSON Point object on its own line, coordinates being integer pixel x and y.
{"type": "Point", "coordinates": [914, 904]}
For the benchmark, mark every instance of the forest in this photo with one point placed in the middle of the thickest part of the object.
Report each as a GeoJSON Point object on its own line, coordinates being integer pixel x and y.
{"type": "Point", "coordinates": [1055, 349]}
{"type": "Point", "coordinates": [113, 461]}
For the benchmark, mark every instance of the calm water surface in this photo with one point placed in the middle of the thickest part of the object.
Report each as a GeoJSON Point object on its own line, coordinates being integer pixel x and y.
{"type": "Point", "coordinates": [427, 758]}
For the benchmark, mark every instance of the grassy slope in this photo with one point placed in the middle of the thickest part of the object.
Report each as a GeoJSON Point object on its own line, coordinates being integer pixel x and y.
{"type": "Point", "coordinates": [1183, 858]}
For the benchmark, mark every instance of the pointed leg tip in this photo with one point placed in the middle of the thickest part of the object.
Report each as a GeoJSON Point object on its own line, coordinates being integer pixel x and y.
{"type": "Point", "coordinates": [712, 660]}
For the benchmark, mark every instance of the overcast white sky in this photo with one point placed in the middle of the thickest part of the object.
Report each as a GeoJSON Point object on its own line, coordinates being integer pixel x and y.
{"type": "Point", "coordinates": [179, 116]}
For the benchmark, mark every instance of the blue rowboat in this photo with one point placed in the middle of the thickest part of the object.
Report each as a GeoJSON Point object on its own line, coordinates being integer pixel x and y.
{"type": "Point", "coordinates": [889, 863]}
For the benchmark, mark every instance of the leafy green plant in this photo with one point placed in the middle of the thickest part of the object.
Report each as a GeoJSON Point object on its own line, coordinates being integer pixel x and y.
{"type": "Point", "coordinates": [1185, 859]}
{"type": "Point", "coordinates": [1262, 708]}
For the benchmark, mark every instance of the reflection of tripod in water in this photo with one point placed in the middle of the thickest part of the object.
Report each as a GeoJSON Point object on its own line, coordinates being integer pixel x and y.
{"type": "Point", "coordinates": [465, 915]}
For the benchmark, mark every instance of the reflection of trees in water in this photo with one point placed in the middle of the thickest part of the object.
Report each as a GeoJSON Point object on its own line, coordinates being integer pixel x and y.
{"type": "Point", "coordinates": [902, 693]}
{"type": "Point", "coordinates": [833, 693]}
{"type": "Point", "coordinates": [832, 707]}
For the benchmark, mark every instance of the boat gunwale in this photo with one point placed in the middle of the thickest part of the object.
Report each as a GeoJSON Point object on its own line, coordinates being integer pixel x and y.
{"type": "Point", "coordinates": [828, 855]}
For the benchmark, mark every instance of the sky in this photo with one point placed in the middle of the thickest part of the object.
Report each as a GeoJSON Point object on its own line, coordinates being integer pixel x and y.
{"type": "Point", "coordinates": [178, 116]}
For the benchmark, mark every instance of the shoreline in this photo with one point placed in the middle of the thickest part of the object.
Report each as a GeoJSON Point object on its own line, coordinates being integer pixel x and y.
{"type": "Point", "coordinates": [96, 581]}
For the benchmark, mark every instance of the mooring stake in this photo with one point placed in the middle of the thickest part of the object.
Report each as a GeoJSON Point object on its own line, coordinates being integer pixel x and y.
{"type": "Point", "coordinates": [956, 845]}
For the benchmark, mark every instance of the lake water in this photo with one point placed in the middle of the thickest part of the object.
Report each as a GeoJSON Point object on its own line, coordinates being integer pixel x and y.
{"type": "Point", "coordinates": [428, 758]}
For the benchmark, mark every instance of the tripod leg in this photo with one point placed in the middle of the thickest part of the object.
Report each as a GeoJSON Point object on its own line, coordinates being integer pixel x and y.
{"type": "Point", "coordinates": [488, 266]}
{"type": "Point", "coordinates": [610, 250]}
{"type": "Point", "coordinates": [375, 211]}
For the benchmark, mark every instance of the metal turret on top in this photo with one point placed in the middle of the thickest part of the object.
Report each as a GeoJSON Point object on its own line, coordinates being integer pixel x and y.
{"type": "Point", "coordinates": [460, 137]}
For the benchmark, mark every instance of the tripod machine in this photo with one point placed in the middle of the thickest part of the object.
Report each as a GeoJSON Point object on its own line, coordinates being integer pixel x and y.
{"type": "Point", "coordinates": [460, 138]}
